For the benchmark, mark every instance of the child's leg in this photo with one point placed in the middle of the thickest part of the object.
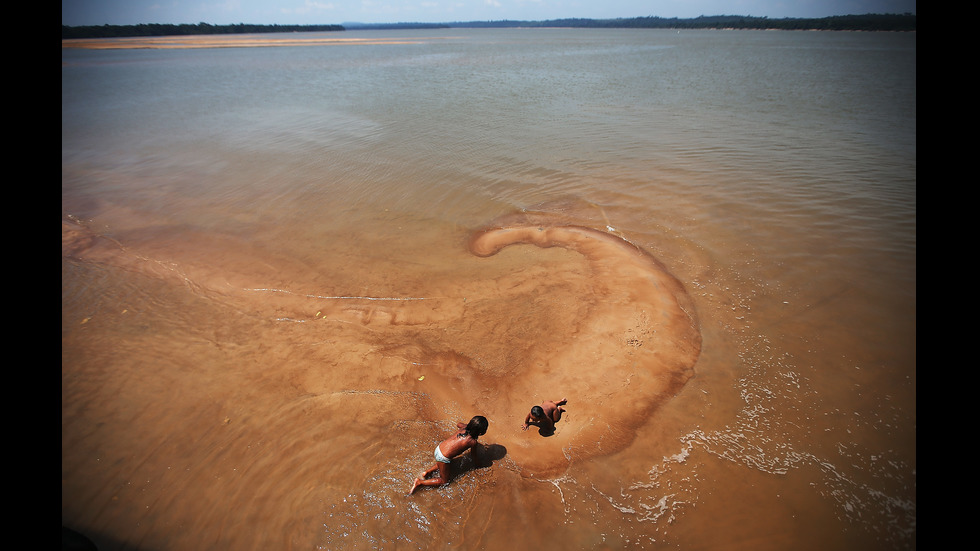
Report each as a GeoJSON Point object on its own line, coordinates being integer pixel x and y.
{"type": "Point", "coordinates": [556, 415]}
{"type": "Point", "coordinates": [440, 479]}
{"type": "Point", "coordinates": [443, 477]}
{"type": "Point", "coordinates": [421, 480]}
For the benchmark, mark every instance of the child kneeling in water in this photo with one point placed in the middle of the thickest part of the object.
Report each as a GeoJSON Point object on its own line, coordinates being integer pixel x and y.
{"type": "Point", "coordinates": [452, 447]}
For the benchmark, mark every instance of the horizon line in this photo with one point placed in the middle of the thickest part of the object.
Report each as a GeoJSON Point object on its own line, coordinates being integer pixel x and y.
{"type": "Point", "coordinates": [911, 14]}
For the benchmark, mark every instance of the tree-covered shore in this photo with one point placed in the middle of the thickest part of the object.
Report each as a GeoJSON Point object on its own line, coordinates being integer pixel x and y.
{"type": "Point", "coordinates": [866, 22]}
{"type": "Point", "coordinates": [158, 29]}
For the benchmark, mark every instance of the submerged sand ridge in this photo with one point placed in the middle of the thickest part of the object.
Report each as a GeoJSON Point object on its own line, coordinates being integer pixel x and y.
{"type": "Point", "coordinates": [602, 324]}
{"type": "Point", "coordinates": [635, 346]}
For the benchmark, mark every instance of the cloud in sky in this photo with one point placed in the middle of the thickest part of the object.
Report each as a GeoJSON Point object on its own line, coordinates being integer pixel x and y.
{"type": "Point", "coordinates": [314, 12]}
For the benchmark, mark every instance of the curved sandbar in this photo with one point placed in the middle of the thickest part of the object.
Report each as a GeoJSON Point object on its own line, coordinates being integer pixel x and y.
{"type": "Point", "coordinates": [632, 348]}
{"type": "Point", "coordinates": [594, 319]}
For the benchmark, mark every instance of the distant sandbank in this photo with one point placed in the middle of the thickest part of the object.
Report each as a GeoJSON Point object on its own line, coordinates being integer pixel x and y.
{"type": "Point", "coordinates": [211, 41]}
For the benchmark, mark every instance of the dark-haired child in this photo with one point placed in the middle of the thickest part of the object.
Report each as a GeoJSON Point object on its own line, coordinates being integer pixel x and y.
{"type": "Point", "coordinates": [452, 447]}
{"type": "Point", "coordinates": [545, 416]}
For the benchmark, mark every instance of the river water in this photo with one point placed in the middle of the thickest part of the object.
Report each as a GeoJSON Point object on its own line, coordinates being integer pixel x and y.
{"type": "Point", "coordinates": [271, 313]}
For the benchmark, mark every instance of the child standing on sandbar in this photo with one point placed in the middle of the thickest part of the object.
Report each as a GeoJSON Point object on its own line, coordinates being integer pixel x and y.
{"type": "Point", "coordinates": [452, 447]}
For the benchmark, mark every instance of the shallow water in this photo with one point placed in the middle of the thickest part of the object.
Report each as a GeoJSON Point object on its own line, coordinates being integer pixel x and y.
{"type": "Point", "coordinates": [271, 315]}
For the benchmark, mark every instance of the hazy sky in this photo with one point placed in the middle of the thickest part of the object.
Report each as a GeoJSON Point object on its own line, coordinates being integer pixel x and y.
{"type": "Point", "coordinates": [314, 12]}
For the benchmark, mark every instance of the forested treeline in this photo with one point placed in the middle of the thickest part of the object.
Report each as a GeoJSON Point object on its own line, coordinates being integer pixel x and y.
{"type": "Point", "coordinates": [386, 26]}
{"type": "Point", "coordinates": [157, 29]}
{"type": "Point", "coordinates": [867, 22]}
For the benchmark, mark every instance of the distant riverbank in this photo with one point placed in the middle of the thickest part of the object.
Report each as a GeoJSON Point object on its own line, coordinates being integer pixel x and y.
{"type": "Point", "coordinates": [867, 22]}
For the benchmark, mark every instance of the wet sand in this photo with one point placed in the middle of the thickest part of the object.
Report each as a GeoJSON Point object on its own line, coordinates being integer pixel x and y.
{"type": "Point", "coordinates": [621, 333]}
{"type": "Point", "coordinates": [272, 307]}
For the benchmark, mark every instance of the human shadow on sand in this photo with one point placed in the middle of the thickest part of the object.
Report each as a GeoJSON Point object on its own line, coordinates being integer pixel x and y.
{"type": "Point", "coordinates": [481, 457]}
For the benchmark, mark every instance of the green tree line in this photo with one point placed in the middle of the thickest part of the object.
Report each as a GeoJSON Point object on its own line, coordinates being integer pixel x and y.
{"type": "Point", "coordinates": [157, 29]}
{"type": "Point", "coordinates": [867, 22]}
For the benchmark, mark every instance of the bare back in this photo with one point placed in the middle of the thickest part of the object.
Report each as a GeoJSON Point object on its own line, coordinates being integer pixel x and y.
{"type": "Point", "coordinates": [549, 408]}
{"type": "Point", "coordinates": [457, 444]}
